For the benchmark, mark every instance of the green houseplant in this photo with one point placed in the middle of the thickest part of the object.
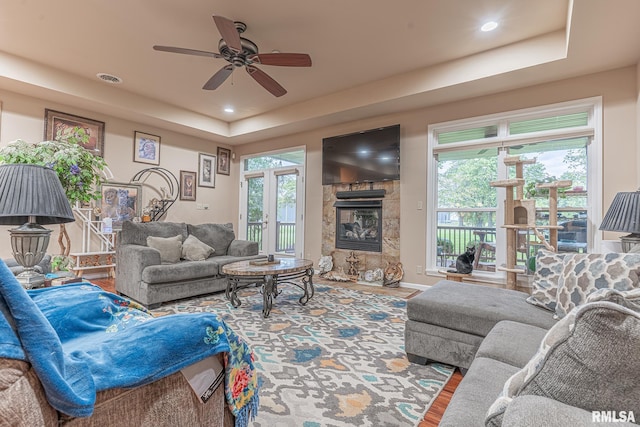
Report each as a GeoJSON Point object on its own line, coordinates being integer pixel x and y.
{"type": "Point", "coordinates": [80, 172]}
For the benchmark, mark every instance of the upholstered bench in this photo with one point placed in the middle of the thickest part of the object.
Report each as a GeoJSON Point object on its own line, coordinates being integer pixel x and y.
{"type": "Point", "coordinates": [448, 322]}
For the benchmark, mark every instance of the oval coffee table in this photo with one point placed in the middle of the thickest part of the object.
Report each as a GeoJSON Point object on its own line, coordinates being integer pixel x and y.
{"type": "Point", "coordinates": [270, 274]}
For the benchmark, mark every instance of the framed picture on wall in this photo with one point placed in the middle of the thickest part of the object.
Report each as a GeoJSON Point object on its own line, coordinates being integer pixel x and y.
{"type": "Point", "coordinates": [206, 167]}
{"type": "Point", "coordinates": [120, 202]}
{"type": "Point", "coordinates": [60, 126]}
{"type": "Point", "coordinates": [146, 148]}
{"type": "Point", "coordinates": [188, 185]}
{"type": "Point", "coordinates": [224, 161]}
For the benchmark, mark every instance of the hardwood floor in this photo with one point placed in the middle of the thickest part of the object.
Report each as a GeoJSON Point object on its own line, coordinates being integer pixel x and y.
{"type": "Point", "coordinates": [433, 415]}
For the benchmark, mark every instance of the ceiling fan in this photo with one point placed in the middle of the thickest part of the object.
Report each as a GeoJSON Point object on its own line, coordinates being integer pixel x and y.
{"type": "Point", "coordinates": [241, 52]}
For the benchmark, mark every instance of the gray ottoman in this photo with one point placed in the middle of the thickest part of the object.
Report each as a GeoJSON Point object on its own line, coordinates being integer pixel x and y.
{"type": "Point", "coordinates": [447, 322]}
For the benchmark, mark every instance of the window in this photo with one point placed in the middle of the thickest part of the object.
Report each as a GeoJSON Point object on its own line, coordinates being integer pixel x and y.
{"type": "Point", "coordinates": [561, 142]}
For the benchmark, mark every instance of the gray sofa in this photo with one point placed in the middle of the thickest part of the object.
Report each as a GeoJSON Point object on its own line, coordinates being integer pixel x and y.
{"type": "Point", "coordinates": [492, 334]}
{"type": "Point", "coordinates": [142, 275]}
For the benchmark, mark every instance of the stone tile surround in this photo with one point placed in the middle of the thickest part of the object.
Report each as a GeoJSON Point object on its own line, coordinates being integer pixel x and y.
{"type": "Point", "coordinates": [390, 227]}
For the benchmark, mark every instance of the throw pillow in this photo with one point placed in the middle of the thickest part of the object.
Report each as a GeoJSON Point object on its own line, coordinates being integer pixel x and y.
{"type": "Point", "coordinates": [586, 360]}
{"type": "Point", "coordinates": [218, 236]}
{"type": "Point", "coordinates": [583, 274]}
{"type": "Point", "coordinates": [194, 250]}
{"type": "Point", "coordinates": [170, 248]}
{"type": "Point", "coordinates": [545, 279]}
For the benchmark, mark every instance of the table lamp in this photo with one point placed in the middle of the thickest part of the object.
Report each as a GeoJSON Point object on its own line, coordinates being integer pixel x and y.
{"type": "Point", "coordinates": [31, 195]}
{"type": "Point", "coordinates": [624, 216]}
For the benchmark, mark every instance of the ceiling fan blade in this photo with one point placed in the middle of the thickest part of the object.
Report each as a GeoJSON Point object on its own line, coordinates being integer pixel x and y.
{"type": "Point", "coordinates": [283, 59]}
{"type": "Point", "coordinates": [218, 78]}
{"type": "Point", "coordinates": [229, 33]}
{"type": "Point", "coordinates": [265, 81]}
{"type": "Point", "coordinates": [187, 51]}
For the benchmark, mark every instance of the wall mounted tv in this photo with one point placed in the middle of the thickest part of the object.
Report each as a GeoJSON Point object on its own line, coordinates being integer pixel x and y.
{"type": "Point", "coordinates": [367, 156]}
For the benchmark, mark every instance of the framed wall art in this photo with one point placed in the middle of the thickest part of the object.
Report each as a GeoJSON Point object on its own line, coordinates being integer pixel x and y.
{"type": "Point", "coordinates": [188, 185]}
{"type": "Point", "coordinates": [59, 126]}
{"type": "Point", "coordinates": [224, 161]}
{"type": "Point", "coordinates": [206, 168]}
{"type": "Point", "coordinates": [146, 148]}
{"type": "Point", "coordinates": [120, 202]}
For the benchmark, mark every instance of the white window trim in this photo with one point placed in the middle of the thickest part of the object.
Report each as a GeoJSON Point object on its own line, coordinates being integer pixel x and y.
{"type": "Point", "coordinates": [594, 159]}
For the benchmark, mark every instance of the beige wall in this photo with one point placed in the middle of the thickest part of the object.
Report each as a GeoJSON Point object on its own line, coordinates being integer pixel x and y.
{"type": "Point", "coordinates": [23, 118]}
{"type": "Point", "coordinates": [620, 161]}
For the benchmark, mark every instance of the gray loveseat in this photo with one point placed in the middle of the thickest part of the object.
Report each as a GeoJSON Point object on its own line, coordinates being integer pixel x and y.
{"type": "Point", "coordinates": [142, 275]}
{"type": "Point", "coordinates": [494, 335]}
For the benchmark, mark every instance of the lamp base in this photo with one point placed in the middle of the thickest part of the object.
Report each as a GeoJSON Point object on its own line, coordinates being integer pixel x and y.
{"type": "Point", "coordinates": [629, 241]}
{"type": "Point", "coordinates": [29, 244]}
{"type": "Point", "coordinates": [30, 279]}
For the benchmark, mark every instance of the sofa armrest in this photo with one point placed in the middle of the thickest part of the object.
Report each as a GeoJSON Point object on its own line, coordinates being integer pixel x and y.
{"type": "Point", "coordinates": [131, 260]}
{"type": "Point", "coordinates": [242, 248]}
{"type": "Point", "coordinates": [535, 411]}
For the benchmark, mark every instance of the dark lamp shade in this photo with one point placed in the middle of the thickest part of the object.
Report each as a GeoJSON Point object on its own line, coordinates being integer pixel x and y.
{"type": "Point", "coordinates": [32, 191]}
{"type": "Point", "coordinates": [623, 214]}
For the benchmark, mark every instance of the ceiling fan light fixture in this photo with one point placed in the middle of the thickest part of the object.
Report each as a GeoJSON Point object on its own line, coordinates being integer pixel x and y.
{"type": "Point", "coordinates": [109, 78]}
{"type": "Point", "coordinates": [489, 26]}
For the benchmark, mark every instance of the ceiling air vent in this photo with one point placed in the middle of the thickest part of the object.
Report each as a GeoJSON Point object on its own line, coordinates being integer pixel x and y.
{"type": "Point", "coordinates": [109, 78]}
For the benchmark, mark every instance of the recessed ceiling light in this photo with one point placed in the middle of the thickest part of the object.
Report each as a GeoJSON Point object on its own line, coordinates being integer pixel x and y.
{"type": "Point", "coordinates": [109, 78]}
{"type": "Point", "coordinates": [228, 109]}
{"type": "Point", "coordinates": [489, 26]}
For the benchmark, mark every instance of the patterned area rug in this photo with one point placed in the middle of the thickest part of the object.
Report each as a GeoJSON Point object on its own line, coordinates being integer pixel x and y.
{"type": "Point", "coordinates": [338, 361]}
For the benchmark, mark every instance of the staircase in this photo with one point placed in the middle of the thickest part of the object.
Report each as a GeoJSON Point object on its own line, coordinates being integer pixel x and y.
{"type": "Point", "coordinates": [98, 247]}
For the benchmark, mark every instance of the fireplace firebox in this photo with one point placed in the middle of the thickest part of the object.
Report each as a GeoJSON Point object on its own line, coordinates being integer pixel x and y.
{"type": "Point", "coordinates": [359, 225]}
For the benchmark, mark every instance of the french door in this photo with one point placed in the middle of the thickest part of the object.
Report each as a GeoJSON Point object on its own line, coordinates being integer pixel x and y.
{"type": "Point", "coordinates": [272, 207]}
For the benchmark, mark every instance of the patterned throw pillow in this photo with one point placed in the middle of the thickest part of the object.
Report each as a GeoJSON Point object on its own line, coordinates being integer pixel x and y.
{"type": "Point", "coordinates": [581, 368]}
{"type": "Point", "coordinates": [545, 280]}
{"type": "Point", "coordinates": [585, 273]}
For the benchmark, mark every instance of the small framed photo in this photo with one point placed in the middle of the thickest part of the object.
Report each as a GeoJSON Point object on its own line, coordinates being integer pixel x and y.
{"type": "Point", "coordinates": [224, 161]}
{"type": "Point", "coordinates": [60, 126]}
{"type": "Point", "coordinates": [188, 185]}
{"type": "Point", "coordinates": [120, 202]}
{"type": "Point", "coordinates": [146, 148]}
{"type": "Point", "coordinates": [207, 166]}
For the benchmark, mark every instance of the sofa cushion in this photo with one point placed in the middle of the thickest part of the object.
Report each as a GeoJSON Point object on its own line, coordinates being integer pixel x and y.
{"type": "Point", "coordinates": [587, 360]}
{"type": "Point", "coordinates": [133, 233]}
{"type": "Point", "coordinates": [194, 250]}
{"type": "Point", "coordinates": [474, 309]}
{"type": "Point", "coordinates": [512, 342]}
{"type": "Point", "coordinates": [218, 236]}
{"type": "Point", "coordinates": [181, 271]}
{"type": "Point", "coordinates": [170, 248]}
{"type": "Point", "coordinates": [544, 286]}
{"type": "Point", "coordinates": [479, 387]}
{"type": "Point", "coordinates": [583, 274]}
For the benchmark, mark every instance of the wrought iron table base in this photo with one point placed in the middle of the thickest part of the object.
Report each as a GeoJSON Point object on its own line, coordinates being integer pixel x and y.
{"type": "Point", "coordinates": [269, 290]}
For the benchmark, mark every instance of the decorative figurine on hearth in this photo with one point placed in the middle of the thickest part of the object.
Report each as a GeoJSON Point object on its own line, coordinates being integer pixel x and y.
{"type": "Point", "coordinates": [353, 261]}
{"type": "Point", "coordinates": [393, 274]}
{"type": "Point", "coordinates": [325, 264]}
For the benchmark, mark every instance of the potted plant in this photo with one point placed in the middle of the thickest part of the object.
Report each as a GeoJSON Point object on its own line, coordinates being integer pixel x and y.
{"type": "Point", "coordinates": [79, 171]}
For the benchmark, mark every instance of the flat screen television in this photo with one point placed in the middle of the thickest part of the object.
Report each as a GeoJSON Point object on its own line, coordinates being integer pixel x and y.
{"type": "Point", "coordinates": [367, 156]}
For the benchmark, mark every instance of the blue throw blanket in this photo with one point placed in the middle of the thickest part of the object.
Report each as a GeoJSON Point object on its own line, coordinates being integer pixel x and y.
{"type": "Point", "coordinates": [81, 340]}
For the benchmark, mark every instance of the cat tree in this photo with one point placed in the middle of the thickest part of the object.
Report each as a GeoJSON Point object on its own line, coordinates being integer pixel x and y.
{"type": "Point", "coordinates": [520, 215]}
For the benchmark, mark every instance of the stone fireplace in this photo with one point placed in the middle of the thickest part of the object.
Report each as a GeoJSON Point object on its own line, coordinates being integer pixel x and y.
{"type": "Point", "coordinates": [375, 208]}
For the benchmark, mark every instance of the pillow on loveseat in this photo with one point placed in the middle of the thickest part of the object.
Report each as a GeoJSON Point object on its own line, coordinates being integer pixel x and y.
{"type": "Point", "coordinates": [170, 248]}
{"type": "Point", "coordinates": [218, 236]}
{"type": "Point", "coordinates": [587, 360]}
{"type": "Point", "coordinates": [194, 250]}
{"type": "Point", "coordinates": [583, 274]}
{"type": "Point", "coordinates": [544, 287]}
